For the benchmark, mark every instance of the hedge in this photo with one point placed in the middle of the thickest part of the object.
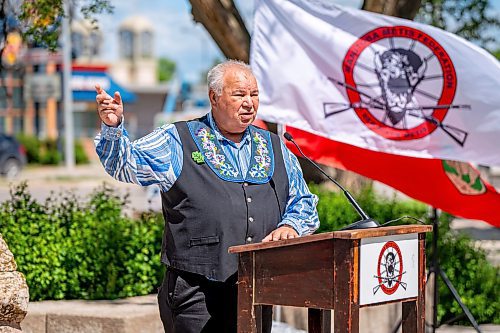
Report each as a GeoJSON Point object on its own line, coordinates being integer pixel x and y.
{"type": "Point", "coordinates": [72, 250]}
{"type": "Point", "coordinates": [68, 249]}
{"type": "Point", "coordinates": [46, 151]}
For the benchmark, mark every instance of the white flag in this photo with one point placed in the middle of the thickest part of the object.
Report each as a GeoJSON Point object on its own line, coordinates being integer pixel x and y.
{"type": "Point", "coordinates": [376, 82]}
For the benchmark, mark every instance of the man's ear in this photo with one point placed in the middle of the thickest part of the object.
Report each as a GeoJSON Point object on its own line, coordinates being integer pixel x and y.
{"type": "Point", "coordinates": [212, 96]}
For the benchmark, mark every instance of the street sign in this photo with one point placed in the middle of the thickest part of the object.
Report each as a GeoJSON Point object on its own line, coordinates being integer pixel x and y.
{"type": "Point", "coordinates": [86, 81]}
{"type": "Point", "coordinates": [39, 56]}
{"type": "Point", "coordinates": [39, 87]}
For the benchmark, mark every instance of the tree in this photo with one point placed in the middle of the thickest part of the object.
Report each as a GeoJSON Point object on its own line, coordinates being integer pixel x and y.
{"type": "Point", "coordinates": [399, 8]}
{"type": "Point", "coordinates": [166, 69]}
{"type": "Point", "coordinates": [223, 22]}
{"type": "Point", "coordinates": [39, 21]}
{"type": "Point", "coordinates": [470, 19]}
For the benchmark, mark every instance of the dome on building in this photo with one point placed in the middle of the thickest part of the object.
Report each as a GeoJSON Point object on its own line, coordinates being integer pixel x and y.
{"type": "Point", "coordinates": [136, 24]}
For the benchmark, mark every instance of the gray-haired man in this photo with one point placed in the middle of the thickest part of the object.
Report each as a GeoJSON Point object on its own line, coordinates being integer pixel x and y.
{"type": "Point", "coordinates": [223, 182]}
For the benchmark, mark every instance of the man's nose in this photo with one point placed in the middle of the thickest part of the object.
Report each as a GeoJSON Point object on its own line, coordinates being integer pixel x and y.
{"type": "Point", "coordinates": [247, 100]}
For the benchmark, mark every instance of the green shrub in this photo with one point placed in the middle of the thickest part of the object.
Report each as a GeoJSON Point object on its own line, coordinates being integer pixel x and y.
{"type": "Point", "coordinates": [70, 250]}
{"type": "Point", "coordinates": [80, 155]}
{"type": "Point", "coordinates": [476, 280]}
{"type": "Point", "coordinates": [46, 151]}
{"type": "Point", "coordinates": [49, 154]}
{"type": "Point", "coordinates": [32, 146]}
{"type": "Point", "coordinates": [336, 212]}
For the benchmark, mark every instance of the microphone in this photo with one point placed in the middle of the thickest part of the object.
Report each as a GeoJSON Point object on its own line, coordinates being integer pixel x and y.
{"type": "Point", "coordinates": [366, 221]}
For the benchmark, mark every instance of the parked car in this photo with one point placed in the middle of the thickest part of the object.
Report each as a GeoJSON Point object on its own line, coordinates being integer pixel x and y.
{"type": "Point", "coordinates": [12, 156]}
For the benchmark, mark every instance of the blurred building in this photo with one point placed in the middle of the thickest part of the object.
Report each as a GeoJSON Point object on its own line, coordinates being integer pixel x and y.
{"type": "Point", "coordinates": [88, 70]}
{"type": "Point", "coordinates": [136, 69]}
{"type": "Point", "coordinates": [11, 84]}
{"type": "Point", "coordinates": [137, 63]}
{"type": "Point", "coordinates": [86, 41]}
{"type": "Point", "coordinates": [31, 85]}
{"type": "Point", "coordinates": [30, 91]}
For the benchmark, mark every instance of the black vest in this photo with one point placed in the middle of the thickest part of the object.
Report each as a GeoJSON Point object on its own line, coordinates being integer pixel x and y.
{"type": "Point", "coordinates": [205, 214]}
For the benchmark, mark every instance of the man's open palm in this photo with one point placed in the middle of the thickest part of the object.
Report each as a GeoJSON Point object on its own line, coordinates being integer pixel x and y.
{"type": "Point", "coordinates": [110, 109]}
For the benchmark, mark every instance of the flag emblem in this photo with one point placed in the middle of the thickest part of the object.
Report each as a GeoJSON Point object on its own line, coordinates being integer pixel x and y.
{"type": "Point", "coordinates": [464, 177]}
{"type": "Point", "coordinates": [401, 84]}
{"type": "Point", "coordinates": [389, 269]}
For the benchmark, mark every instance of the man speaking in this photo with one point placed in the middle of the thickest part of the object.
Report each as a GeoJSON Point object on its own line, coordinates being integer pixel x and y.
{"type": "Point", "coordinates": [223, 182]}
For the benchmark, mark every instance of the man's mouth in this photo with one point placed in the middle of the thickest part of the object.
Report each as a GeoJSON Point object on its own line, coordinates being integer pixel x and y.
{"type": "Point", "coordinates": [246, 116]}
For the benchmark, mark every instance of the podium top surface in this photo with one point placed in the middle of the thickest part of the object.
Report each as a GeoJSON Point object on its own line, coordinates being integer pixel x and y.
{"type": "Point", "coordinates": [346, 234]}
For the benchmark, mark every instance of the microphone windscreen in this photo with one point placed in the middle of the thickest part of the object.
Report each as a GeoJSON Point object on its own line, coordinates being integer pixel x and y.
{"type": "Point", "coordinates": [288, 136]}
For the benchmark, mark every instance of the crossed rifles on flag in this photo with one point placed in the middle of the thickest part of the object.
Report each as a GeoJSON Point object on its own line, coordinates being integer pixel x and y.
{"type": "Point", "coordinates": [458, 135]}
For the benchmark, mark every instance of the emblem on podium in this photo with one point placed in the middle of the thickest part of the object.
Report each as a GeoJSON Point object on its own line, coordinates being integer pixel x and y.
{"type": "Point", "coordinates": [389, 269]}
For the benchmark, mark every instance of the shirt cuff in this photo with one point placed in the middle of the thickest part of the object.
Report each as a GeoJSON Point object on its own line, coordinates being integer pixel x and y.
{"type": "Point", "coordinates": [112, 133]}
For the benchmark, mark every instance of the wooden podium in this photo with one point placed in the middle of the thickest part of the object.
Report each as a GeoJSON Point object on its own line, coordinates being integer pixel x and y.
{"type": "Point", "coordinates": [341, 271]}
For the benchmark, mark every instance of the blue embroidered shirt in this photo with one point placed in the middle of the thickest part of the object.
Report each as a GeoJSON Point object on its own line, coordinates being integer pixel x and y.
{"type": "Point", "coordinates": [156, 159]}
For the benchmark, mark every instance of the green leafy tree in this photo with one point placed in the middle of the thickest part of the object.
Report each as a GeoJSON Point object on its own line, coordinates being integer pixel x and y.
{"type": "Point", "coordinates": [473, 20]}
{"type": "Point", "coordinates": [40, 21]}
{"type": "Point", "coordinates": [166, 69]}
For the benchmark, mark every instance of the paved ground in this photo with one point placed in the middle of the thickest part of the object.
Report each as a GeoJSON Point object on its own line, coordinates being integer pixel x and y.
{"type": "Point", "coordinates": [140, 312]}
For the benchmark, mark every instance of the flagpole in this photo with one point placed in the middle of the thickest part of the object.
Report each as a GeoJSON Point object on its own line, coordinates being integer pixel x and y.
{"type": "Point", "coordinates": [69, 152]}
{"type": "Point", "coordinates": [434, 267]}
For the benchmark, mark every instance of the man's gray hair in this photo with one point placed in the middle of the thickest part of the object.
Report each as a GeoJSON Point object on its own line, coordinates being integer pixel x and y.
{"type": "Point", "coordinates": [215, 75]}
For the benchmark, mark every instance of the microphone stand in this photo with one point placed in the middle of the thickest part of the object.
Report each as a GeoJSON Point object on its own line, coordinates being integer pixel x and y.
{"type": "Point", "coordinates": [365, 222]}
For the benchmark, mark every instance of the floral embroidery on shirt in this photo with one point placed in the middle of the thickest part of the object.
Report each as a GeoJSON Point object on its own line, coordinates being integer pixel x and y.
{"type": "Point", "coordinates": [262, 158]}
{"type": "Point", "coordinates": [211, 152]}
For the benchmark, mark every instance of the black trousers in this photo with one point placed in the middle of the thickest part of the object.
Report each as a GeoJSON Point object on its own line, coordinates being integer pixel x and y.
{"type": "Point", "coordinates": [190, 303]}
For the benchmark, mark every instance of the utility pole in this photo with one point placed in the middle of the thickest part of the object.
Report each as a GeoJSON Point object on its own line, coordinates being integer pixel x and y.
{"type": "Point", "coordinates": [69, 153]}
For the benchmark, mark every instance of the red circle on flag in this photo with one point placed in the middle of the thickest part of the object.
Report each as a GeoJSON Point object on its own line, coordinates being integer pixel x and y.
{"type": "Point", "coordinates": [446, 95]}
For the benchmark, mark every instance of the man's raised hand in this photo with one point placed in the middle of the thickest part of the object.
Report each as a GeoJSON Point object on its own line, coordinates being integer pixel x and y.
{"type": "Point", "coordinates": [110, 109]}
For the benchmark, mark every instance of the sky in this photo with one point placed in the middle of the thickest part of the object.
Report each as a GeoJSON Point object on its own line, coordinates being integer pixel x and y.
{"type": "Point", "coordinates": [177, 36]}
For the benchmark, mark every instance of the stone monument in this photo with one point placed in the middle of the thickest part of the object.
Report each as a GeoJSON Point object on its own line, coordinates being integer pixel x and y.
{"type": "Point", "coordinates": [14, 294]}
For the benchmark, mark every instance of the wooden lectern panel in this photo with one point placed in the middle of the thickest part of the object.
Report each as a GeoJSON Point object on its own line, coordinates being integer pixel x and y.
{"type": "Point", "coordinates": [296, 275]}
{"type": "Point", "coordinates": [346, 303]}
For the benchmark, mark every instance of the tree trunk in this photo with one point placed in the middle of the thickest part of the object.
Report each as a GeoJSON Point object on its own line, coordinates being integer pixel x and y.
{"type": "Point", "coordinates": [399, 8]}
{"type": "Point", "coordinates": [224, 23]}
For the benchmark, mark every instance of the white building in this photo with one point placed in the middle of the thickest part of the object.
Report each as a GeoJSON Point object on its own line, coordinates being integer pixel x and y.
{"type": "Point", "coordinates": [137, 63]}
